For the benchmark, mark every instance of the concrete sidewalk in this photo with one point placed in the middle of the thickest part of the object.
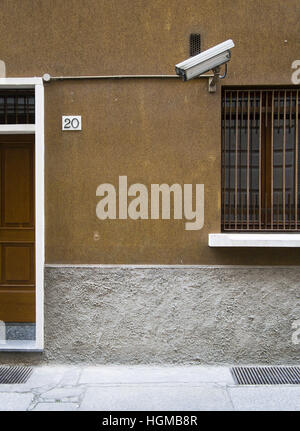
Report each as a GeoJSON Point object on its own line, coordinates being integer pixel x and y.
{"type": "Point", "coordinates": [143, 388]}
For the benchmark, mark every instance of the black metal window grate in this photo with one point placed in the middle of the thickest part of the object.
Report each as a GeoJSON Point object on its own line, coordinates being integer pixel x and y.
{"type": "Point", "coordinates": [14, 375]}
{"type": "Point", "coordinates": [266, 375]}
{"type": "Point", "coordinates": [17, 107]}
{"type": "Point", "coordinates": [195, 44]}
{"type": "Point", "coordinates": [260, 160]}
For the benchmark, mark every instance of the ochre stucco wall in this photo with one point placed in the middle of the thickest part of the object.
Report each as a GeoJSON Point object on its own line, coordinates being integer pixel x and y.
{"type": "Point", "coordinates": [153, 131]}
{"type": "Point", "coordinates": [147, 36]}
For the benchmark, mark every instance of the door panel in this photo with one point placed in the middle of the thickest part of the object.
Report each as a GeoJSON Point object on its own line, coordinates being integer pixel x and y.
{"type": "Point", "coordinates": [17, 262]}
{"type": "Point", "coordinates": [17, 185]}
{"type": "Point", "coordinates": [17, 233]}
{"type": "Point", "coordinates": [17, 305]}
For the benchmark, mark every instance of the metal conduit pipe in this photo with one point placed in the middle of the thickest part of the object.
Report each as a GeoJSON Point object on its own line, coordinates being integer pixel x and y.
{"type": "Point", "coordinates": [48, 78]}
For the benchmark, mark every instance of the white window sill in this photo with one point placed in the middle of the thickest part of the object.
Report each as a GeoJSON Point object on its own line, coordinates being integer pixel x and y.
{"type": "Point", "coordinates": [254, 240]}
{"type": "Point", "coordinates": [20, 346]}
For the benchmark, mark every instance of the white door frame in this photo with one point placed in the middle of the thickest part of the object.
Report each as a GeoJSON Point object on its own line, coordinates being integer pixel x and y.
{"type": "Point", "coordinates": [38, 130]}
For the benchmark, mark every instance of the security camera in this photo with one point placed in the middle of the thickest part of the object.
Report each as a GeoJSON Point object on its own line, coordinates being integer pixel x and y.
{"type": "Point", "coordinates": [211, 59]}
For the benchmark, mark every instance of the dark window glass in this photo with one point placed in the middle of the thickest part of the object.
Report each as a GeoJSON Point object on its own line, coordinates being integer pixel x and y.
{"type": "Point", "coordinates": [17, 107]}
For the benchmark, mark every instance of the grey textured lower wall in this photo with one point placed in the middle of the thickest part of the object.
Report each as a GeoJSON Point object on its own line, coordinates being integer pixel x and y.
{"type": "Point", "coordinates": [166, 315]}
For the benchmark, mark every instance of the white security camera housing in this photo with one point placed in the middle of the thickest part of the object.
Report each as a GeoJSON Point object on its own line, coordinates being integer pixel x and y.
{"type": "Point", "coordinates": [207, 60]}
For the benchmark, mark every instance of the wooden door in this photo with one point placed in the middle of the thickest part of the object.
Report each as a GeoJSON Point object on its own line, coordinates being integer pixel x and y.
{"type": "Point", "coordinates": [17, 233]}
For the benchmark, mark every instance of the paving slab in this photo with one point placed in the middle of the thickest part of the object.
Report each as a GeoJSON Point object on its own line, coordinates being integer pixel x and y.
{"type": "Point", "coordinates": [45, 376]}
{"type": "Point", "coordinates": [257, 398]}
{"type": "Point", "coordinates": [150, 374]}
{"type": "Point", "coordinates": [15, 401]}
{"type": "Point", "coordinates": [154, 397]}
{"type": "Point", "coordinates": [49, 407]}
{"type": "Point", "coordinates": [42, 379]}
{"type": "Point", "coordinates": [63, 394]}
{"type": "Point", "coordinates": [70, 376]}
{"type": "Point", "coordinates": [115, 387]}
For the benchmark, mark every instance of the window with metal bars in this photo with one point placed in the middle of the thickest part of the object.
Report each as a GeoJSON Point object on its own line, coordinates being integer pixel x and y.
{"type": "Point", "coordinates": [17, 107]}
{"type": "Point", "coordinates": [260, 160]}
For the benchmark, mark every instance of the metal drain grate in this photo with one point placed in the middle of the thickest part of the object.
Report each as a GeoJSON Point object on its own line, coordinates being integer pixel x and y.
{"type": "Point", "coordinates": [13, 375]}
{"type": "Point", "coordinates": [266, 375]}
